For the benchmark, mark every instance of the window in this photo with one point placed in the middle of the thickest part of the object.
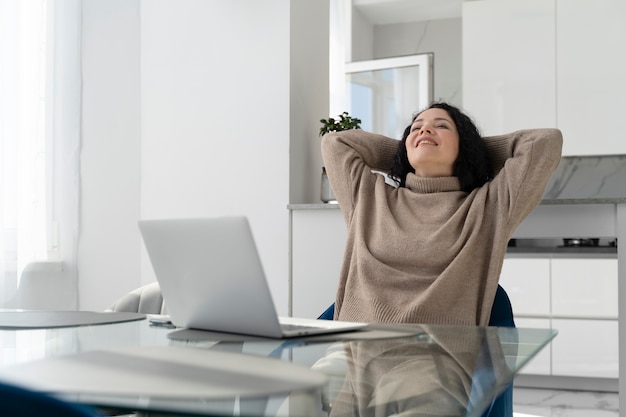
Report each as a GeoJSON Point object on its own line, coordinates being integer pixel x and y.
{"type": "Point", "coordinates": [39, 128]}
{"type": "Point", "coordinates": [384, 93]}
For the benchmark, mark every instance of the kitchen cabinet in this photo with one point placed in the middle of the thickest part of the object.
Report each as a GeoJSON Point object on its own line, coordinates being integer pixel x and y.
{"type": "Point", "coordinates": [584, 288]}
{"type": "Point", "coordinates": [538, 63]}
{"type": "Point", "coordinates": [587, 348]}
{"type": "Point", "coordinates": [542, 363]}
{"type": "Point", "coordinates": [577, 297]}
{"type": "Point", "coordinates": [509, 80]}
{"type": "Point", "coordinates": [527, 282]}
{"type": "Point", "coordinates": [317, 244]}
{"type": "Point", "coordinates": [591, 83]}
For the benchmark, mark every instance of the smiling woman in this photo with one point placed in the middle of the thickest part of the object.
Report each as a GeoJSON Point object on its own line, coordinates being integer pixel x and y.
{"type": "Point", "coordinates": [431, 250]}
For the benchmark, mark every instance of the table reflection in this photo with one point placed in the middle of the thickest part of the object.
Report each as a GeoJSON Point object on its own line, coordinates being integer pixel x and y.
{"type": "Point", "coordinates": [437, 373]}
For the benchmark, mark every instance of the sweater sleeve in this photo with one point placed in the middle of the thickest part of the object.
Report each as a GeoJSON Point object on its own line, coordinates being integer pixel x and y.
{"type": "Point", "coordinates": [523, 162]}
{"type": "Point", "coordinates": [349, 156]}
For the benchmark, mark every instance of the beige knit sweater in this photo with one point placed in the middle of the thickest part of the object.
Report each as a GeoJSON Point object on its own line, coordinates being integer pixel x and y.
{"type": "Point", "coordinates": [429, 252]}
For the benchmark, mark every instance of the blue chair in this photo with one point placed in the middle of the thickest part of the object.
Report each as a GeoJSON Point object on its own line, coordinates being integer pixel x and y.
{"type": "Point", "coordinates": [328, 314]}
{"type": "Point", "coordinates": [501, 311]}
{"type": "Point", "coordinates": [20, 402]}
{"type": "Point", "coordinates": [501, 316]}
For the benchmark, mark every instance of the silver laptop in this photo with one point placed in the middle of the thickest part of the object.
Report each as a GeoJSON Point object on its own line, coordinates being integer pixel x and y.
{"type": "Point", "coordinates": [211, 278]}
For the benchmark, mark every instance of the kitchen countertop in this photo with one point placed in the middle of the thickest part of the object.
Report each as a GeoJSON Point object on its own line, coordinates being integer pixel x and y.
{"type": "Point", "coordinates": [577, 180]}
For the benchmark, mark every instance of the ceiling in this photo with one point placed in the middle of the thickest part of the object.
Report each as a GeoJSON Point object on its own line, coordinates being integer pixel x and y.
{"type": "Point", "coordinates": [381, 12]}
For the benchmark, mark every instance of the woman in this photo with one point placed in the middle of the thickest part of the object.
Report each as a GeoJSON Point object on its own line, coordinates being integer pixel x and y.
{"type": "Point", "coordinates": [426, 241]}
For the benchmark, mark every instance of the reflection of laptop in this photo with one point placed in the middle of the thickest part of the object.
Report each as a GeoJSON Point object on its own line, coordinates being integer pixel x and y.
{"type": "Point", "coordinates": [211, 277]}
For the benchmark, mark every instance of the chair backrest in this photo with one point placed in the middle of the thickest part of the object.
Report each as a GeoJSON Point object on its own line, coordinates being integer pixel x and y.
{"type": "Point", "coordinates": [146, 299]}
{"type": "Point", "coordinates": [502, 311]}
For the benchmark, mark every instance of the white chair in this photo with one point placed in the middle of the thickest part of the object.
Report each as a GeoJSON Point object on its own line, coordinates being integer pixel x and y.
{"type": "Point", "coordinates": [146, 299]}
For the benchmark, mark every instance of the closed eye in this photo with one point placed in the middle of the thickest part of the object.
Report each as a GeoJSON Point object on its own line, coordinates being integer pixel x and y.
{"type": "Point", "coordinates": [438, 126]}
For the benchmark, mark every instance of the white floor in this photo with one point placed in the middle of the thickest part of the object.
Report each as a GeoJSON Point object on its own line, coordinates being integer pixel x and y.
{"type": "Point", "coordinates": [555, 403]}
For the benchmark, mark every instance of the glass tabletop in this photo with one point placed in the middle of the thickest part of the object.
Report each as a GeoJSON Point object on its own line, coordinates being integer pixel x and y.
{"type": "Point", "coordinates": [417, 370]}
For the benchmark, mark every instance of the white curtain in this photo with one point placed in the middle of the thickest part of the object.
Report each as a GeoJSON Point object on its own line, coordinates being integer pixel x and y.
{"type": "Point", "coordinates": [40, 92]}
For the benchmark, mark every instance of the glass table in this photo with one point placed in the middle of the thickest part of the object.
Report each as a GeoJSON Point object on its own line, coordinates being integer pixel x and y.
{"type": "Point", "coordinates": [417, 370]}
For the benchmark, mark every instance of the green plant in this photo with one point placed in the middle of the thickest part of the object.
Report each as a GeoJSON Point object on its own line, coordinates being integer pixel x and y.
{"type": "Point", "coordinates": [345, 122]}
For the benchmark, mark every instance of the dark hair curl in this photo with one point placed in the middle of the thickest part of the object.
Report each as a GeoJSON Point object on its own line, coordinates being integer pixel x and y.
{"type": "Point", "coordinates": [472, 166]}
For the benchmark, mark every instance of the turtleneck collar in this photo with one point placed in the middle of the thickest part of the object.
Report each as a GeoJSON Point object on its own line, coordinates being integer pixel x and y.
{"type": "Point", "coordinates": [426, 185]}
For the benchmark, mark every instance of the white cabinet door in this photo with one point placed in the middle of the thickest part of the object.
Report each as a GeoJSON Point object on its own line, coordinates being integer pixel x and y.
{"type": "Point", "coordinates": [527, 282]}
{"type": "Point", "coordinates": [590, 70]}
{"type": "Point", "coordinates": [584, 288]}
{"type": "Point", "coordinates": [540, 364]}
{"type": "Point", "coordinates": [509, 75]}
{"type": "Point", "coordinates": [587, 348]}
{"type": "Point", "coordinates": [318, 241]}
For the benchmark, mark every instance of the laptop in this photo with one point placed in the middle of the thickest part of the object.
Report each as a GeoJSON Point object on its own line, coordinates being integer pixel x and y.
{"type": "Point", "coordinates": [211, 277]}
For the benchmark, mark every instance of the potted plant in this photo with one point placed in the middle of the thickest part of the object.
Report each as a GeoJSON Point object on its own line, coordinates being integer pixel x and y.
{"type": "Point", "coordinates": [344, 122]}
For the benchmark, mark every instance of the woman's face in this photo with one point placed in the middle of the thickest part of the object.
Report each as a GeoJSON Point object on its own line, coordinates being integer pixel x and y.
{"type": "Point", "coordinates": [433, 144]}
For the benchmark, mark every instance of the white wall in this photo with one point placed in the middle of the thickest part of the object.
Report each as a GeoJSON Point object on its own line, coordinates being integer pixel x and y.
{"type": "Point", "coordinates": [215, 118]}
{"type": "Point", "coordinates": [196, 108]}
{"type": "Point", "coordinates": [362, 35]}
{"type": "Point", "coordinates": [443, 37]}
{"type": "Point", "coordinates": [108, 251]}
{"type": "Point", "coordinates": [309, 96]}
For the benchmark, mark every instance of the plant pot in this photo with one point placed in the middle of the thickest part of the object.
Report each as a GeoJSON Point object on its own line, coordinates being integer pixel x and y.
{"type": "Point", "coordinates": [326, 191]}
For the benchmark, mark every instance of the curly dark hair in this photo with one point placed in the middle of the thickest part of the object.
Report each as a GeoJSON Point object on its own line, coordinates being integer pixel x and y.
{"type": "Point", "coordinates": [472, 166]}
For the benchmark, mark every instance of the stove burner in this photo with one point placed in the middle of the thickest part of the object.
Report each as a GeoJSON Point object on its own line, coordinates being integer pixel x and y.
{"type": "Point", "coordinates": [580, 242]}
